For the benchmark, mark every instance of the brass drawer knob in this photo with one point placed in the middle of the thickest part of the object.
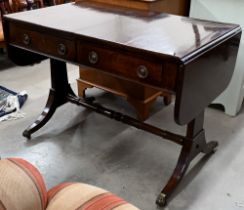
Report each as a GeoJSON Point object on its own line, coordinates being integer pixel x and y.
{"type": "Point", "coordinates": [93, 57]}
{"type": "Point", "coordinates": [62, 49]}
{"type": "Point", "coordinates": [142, 72]}
{"type": "Point", "coordinates": [26, 39]}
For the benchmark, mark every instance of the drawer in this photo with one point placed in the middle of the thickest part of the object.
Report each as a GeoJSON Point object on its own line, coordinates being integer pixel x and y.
{"type": "Point", "coordinates": [120, 64]}
{"type": "Point", "coordinates": [41, 42]}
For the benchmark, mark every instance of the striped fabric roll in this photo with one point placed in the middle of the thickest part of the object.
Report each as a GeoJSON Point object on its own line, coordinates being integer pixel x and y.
{"type": "Point", "coordinates": [78, 196]}
{"type": "Point", "coordinates": [21, 186]}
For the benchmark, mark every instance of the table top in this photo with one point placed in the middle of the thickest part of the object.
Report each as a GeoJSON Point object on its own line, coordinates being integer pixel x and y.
{"type": "Point", "coordinates": [157, 33]}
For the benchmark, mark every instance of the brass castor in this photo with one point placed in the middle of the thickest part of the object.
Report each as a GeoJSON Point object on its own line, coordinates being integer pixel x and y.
{"type": "Point", "coordinates": [27, 134]}
{"type": "Point", "coordinates": [161, 200]}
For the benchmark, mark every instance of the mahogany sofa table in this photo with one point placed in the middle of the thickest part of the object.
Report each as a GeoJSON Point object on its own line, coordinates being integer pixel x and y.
{"type": "Point", "coordinates": [139, 96]}
{"type": "Point", "coordinates": [190, 58]}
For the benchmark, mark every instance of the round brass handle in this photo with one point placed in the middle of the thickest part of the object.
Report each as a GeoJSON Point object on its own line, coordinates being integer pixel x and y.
{"type": "Point", "coordinates": [62, 49]}
{"type": "Point", "coordinates": [93, 57]}
{"type": "Point", "coordinates": [26, 39]}
{"type": "Point", "coordinates": [142, 72]}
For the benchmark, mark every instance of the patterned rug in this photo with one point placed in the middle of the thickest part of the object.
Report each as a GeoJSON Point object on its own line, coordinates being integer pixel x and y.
{"type": "Point", "coordinates": [10, 104]}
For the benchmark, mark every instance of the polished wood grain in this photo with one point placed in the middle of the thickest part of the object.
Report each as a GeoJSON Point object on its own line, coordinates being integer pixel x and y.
{"type": "Point", "coordinates": [141, 97]}
{"type": "Point", "coordinates": [126, 65]}
{"type": "Point", "coordinates": [8, 6]}
{"type": "Point", "coordinates": [38, 41]}
{"type": "Point", "coordinates": [90, 79]}
{"type": "Point", "coordinates": [192, 59]}
{"type": "Point", "coordinates": [152, 37]}
{"type": "Point", "coordinates": [119, 63]}
{"type": "Point", "coordinates": [154, 34]}
{"type": "Point", "coordinates": [177, 7]}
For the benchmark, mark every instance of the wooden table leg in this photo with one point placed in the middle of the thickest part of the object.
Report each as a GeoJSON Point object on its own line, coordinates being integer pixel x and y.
{"type": "Point", "coordinates": [142, 109]}
{"type": "Point", "coordinates": [57, 96]}
{"type": "Point", "coordinates": [194, 144]}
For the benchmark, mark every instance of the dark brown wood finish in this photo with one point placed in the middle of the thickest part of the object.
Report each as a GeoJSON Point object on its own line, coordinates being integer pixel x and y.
{"type": "Point", "coordinates": [7, 6]}
{"type": "Point", "coordinates": [141, 97]}
{"type": "Point", "coordinates": [119, 63]}
{"type": "Point", "coordinates": [190, 58]}
{"type": "Point", "coordinates": [177, 7]}
{"type": "Point", "coordinates": [218, 63]}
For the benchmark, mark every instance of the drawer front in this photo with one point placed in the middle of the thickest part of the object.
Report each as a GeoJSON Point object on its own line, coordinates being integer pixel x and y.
{"type": "Point", "coordinates": [40, 42]}
{"type": "Point", "coordinates": [119, 64]}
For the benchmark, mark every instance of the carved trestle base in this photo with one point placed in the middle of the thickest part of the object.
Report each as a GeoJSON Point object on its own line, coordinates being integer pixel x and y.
{"type": "Point", "coordinates": [192, 144]}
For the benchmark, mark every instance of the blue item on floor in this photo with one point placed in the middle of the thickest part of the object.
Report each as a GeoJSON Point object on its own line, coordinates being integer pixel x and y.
{"type": "Point", "coordinates": [11, 101]}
